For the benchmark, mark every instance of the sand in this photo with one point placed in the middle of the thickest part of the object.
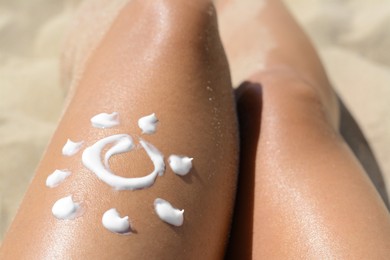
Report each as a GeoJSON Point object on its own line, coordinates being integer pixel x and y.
{"type": "Point", "coordinates": [352, 37]}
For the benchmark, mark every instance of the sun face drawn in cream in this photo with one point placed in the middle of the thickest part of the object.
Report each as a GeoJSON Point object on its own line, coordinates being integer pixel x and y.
{"type": "Point", "coordinates": [167, 213]}
{"type": "Point", "coordinates": [122, 142]}
{"type": "Point", "coordinates": [181, 165]}
{"type": "Point", "coordinates": [66, 208]}
{"type": "Point", "coordinates": [112, 221]}
{"type": "Point", "coordinates": [148, 124]}
{"type": "Point", "coordinates": [71, 148]}
{"type": "Point", "coordinates": [58, 176]}
{"type": "Point", "coordinates": [104, 120]}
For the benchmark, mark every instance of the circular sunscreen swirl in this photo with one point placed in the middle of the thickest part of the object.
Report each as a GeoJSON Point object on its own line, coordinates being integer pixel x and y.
{"type": "Point", "coordinates": [91, 159]}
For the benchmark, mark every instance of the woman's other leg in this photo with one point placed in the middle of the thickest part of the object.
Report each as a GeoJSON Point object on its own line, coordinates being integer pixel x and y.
{"type": "Point", "coordinates": [303, 194]}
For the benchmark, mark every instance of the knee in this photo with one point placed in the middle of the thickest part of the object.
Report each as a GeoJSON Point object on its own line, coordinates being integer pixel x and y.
{"type": "Point", "coordinates": [286, 83]}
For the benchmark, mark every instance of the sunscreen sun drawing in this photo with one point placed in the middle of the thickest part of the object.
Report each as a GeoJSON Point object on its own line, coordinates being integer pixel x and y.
{"type": "Point", "coordinates": [93, 160]}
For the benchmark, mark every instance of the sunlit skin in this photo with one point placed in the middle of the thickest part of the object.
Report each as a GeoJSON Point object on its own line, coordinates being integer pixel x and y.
{"type": "Point", "coordinates": [301, 192]}
{"type": "Point", "coordinates": [160, 57]}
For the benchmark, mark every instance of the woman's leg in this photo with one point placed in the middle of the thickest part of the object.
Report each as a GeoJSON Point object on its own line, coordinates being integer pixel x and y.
{"type": "Point", "coordinates": [302, 194]}
{"type": "Point", "coordinates": [162, 57]}
{"type": "Point", "coordinates": [267, 30]}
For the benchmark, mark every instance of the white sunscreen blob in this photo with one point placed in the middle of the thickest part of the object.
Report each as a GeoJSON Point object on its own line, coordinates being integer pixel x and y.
{"type": "Point", "coordinates": [167, 213]}
{"type": "Point", "coordinates": [148, 124]}
{"type": "Point", "coordinates": [58, 176]}
{"type": "Point", "coordinates": [104, 120]}
{"type": "Point", "coordinates": [113, 222]}
{"type": "Point", "coordinates": [71, 148]}
{"type": "Point", "coordinates": [92, 161]}
{"type": "Point", "coordinates": [181, 165]}
{"type": "Point", "coordinates": [65, 208]}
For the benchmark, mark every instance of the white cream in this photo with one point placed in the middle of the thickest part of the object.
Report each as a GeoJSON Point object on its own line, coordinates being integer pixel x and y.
{"type": "Point", "coordinates": [155, 156]}
{"type": "Point", "coordinates": [181, 165]}
{"type": "Point", "coordinates": [65, 208]}
{"type": "Point", "coordinates": [104, 120]}
{"type": "Point", "coordinates": [124, 144]}
{"type": "Point", "coordinates": [58, 176]}
{"type": "Point", "coordinates": [92, 161]}
{"type": "Point", "coordinates": [113, 222]}
{"type": "Point", "coordinates": [148, 124]}
{"type": "Point", "coordinates": [167, 213]}
{"type": "Point", "coordinates": [71, 148]}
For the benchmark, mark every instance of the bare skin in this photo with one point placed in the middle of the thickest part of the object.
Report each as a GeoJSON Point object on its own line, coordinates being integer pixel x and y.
{"type": "Point", "coordinates": [302, 192]}
{"type": "Point", "coordinates": [145, 64]}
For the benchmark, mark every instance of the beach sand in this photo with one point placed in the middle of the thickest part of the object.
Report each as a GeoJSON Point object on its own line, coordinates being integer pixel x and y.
{"type": "Point", "coordinates": [352, 38]}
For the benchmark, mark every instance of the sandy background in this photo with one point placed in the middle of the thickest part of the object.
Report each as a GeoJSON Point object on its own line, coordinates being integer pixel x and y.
{"type": "Point", "coordinates": [352, 36]}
